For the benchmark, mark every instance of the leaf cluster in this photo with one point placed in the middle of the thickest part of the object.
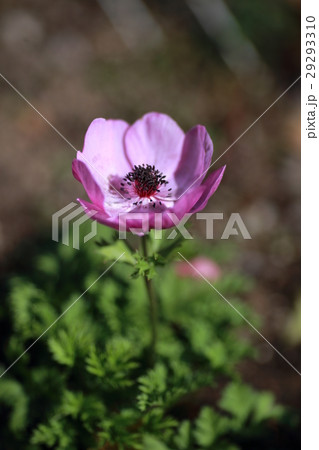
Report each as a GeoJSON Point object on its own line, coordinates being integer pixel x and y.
{"type": "Point", "coordinates": [87, 383]}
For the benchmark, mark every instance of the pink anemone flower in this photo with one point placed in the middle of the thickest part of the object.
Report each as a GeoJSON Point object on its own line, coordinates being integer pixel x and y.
{"type": "Point", "coordinates": [150, 167]}
{"type": "Point", "coordinates": [199, 266]}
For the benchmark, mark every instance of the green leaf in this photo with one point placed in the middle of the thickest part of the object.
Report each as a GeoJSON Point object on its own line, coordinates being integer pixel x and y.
{"type": "Point", "coordinates": [245, 403]}
{"type": "Point", "coordinates": [205, 432]}
{"type": "Point", "coordinates": [117, 250]}
{"type": "Point", "coordinates": [63, 348]}
{"type": "Point", "coordinates": [85, 407]}
{"type": "Point", "coordinates": [238, 399]}
{"type": "Point", "coordinates": [152, 443]}
{"type": "Point", "coordinates": [114, 364]}
{"type": "Point", "coordinates": [144, 267]}
{"type": "Point", "coordinates": [13, 395]}
{"type": "Point", "coordinates": [72, 403]}
{"type": "Point", "coordinates": [31, 311]}
{"type": "Point", "coordinates": [265, 407]}
{"type": "Point", "coordinates": [95, 364]}
{"type": "Point", "coordinates": [54, 435]}
{"type": "Point", "coordinates": [152, 387]}
{"type": "Point", "coordinates": [182, 438]}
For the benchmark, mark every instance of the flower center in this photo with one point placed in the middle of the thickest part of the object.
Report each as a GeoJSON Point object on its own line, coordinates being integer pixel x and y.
{"type": "Point", "coordinates": [146, 180]}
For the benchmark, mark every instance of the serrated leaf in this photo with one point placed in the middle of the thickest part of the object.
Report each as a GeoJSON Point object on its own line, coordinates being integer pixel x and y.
{"type": "Point", "coordinates": [114, 364]}
{"type": "Point", "coordinates": [205, 433]}
{"type": "Point", "coordinates": [63, 348]}
{"type": "Point", "coordinates": [144, 267]}
{"type": "Point", "coordinates": [182, 438]}
{"type": "Point", "coordinates": [152, 387]}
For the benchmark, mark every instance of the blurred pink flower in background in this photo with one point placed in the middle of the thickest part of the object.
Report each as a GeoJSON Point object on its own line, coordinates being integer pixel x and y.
{"type": "Point", "coordinates": [150, 167]}
{"type": "Point", "coordinates": [208, 268]}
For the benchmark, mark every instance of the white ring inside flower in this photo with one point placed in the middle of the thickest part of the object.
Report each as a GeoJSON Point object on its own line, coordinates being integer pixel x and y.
{"type": "Point", "coordinates": [147, 183]}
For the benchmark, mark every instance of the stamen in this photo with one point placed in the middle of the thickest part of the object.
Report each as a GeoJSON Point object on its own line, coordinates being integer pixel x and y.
{"type": "Point", "coordinates": [145, 180]}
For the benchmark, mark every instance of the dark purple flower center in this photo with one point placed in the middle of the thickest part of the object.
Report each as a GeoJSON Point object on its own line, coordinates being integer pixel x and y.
{"type": "Point", "coordinates": [146, 180]}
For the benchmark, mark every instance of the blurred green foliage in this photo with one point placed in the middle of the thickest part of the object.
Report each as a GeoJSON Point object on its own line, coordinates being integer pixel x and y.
{"type": "Point", "coordinates": [87, 383]}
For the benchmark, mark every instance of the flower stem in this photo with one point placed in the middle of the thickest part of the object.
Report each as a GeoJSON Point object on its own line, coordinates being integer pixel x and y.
{"type": "Point", "coordinates": [153, 305]}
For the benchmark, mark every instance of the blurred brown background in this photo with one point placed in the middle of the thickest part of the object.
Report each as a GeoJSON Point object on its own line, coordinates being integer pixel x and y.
{"type": "Point", "coordinates": [218, 63]}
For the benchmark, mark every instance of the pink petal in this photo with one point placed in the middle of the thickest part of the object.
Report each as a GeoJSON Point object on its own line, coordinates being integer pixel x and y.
{"type": "Point", "coordinates": [168, 220]}
{"type": "Point", "coordinates": [82, 173]}
{"type": "Point", "coordinates": [187, 201]}
{"type": "Point", "coordinates": [111, 221]}
{"type": "Point", "coordinates": [208, 148]}
{"type": "Point", "coordinates": [99, 214]}
{"type": "Point", "coordinates": [155, 139]}
{"type": "Point", "coordinates": [210, 185]}
{"type": "Point", "coordinates": [196, 157]}
{"type": "Point", "coordinates": [182, 207]}
{"type": "Point", "coordinates": [103, 150]}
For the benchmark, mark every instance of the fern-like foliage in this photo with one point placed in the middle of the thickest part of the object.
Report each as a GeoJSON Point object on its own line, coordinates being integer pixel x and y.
{"type": "Point", "coordinates": [87, 383]}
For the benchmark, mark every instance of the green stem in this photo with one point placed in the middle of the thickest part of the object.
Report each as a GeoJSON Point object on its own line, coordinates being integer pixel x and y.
{"type": "Point", "coordinates": [153, 305]}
